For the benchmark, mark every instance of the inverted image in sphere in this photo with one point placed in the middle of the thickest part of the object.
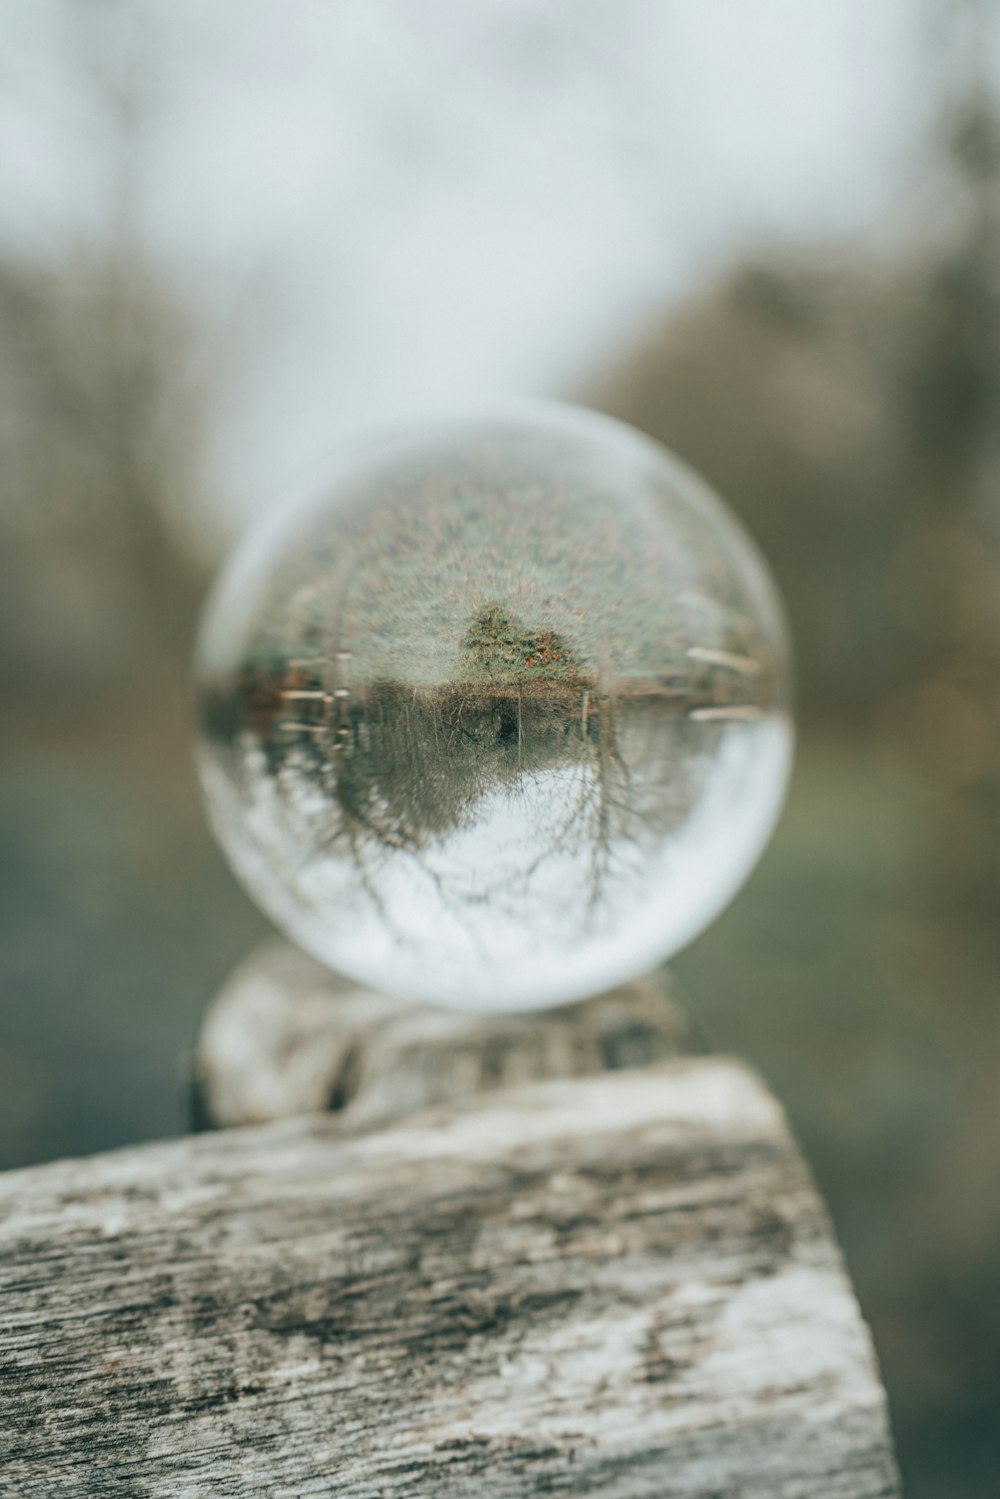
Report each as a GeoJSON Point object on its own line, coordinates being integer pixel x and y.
{"type": "Point", "coordinates": [499, 719]}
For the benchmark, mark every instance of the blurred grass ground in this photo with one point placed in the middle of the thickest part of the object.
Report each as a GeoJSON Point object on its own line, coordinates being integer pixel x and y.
{"type": "Point", "coordinates": [118, 920]}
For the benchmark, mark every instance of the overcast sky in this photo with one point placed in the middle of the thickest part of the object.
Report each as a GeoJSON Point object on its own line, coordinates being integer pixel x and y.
{"type": "Point", "coordinates": [394, 206]}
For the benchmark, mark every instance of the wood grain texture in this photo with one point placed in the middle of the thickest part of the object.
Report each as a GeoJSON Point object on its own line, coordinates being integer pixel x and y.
{"type": "Point", "coordinates": [623, 1286]}
{"type": "Point", "coordinates": [287, 1036]}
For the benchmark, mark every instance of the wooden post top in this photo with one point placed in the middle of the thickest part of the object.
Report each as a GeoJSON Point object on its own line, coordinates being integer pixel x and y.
{"type": "Point", "coordinates": [619, 1284]}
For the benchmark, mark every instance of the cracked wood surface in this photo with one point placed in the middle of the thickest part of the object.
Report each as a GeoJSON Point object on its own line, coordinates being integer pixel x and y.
{"type": "Point", "coordinates": [621, 1285]}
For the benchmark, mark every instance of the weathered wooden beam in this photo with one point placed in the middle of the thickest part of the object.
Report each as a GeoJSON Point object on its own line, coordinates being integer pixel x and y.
{"type": "Point", "coordinates": [623, 1285]}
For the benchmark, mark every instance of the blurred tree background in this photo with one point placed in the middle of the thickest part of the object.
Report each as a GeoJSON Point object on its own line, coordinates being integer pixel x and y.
{"type": "Point", "coordinates": [841, 386]}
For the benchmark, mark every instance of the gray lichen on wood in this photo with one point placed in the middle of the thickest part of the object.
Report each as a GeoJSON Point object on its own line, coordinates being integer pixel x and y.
{"type": "Point", "coordinates": [622, 1285]}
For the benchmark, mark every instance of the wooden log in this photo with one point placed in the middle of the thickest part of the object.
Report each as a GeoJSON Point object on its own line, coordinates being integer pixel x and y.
{"type": "Point", "coordinates": [287, 1036]}
{"type": "Point", "coordinates": [622, 1285]}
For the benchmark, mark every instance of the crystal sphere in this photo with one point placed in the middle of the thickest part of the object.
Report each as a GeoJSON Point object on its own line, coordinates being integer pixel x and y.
{"type": "Point", "coordinates": [499, 719]}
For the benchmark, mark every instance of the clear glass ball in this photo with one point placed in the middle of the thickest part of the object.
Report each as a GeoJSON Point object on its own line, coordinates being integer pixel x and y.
{"type": "Point", "coordinates": [499, 719]}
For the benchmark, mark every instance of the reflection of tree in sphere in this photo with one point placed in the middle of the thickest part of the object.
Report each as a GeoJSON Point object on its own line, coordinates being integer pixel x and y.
{"type": "Point", "coordinates": [500, 720]}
